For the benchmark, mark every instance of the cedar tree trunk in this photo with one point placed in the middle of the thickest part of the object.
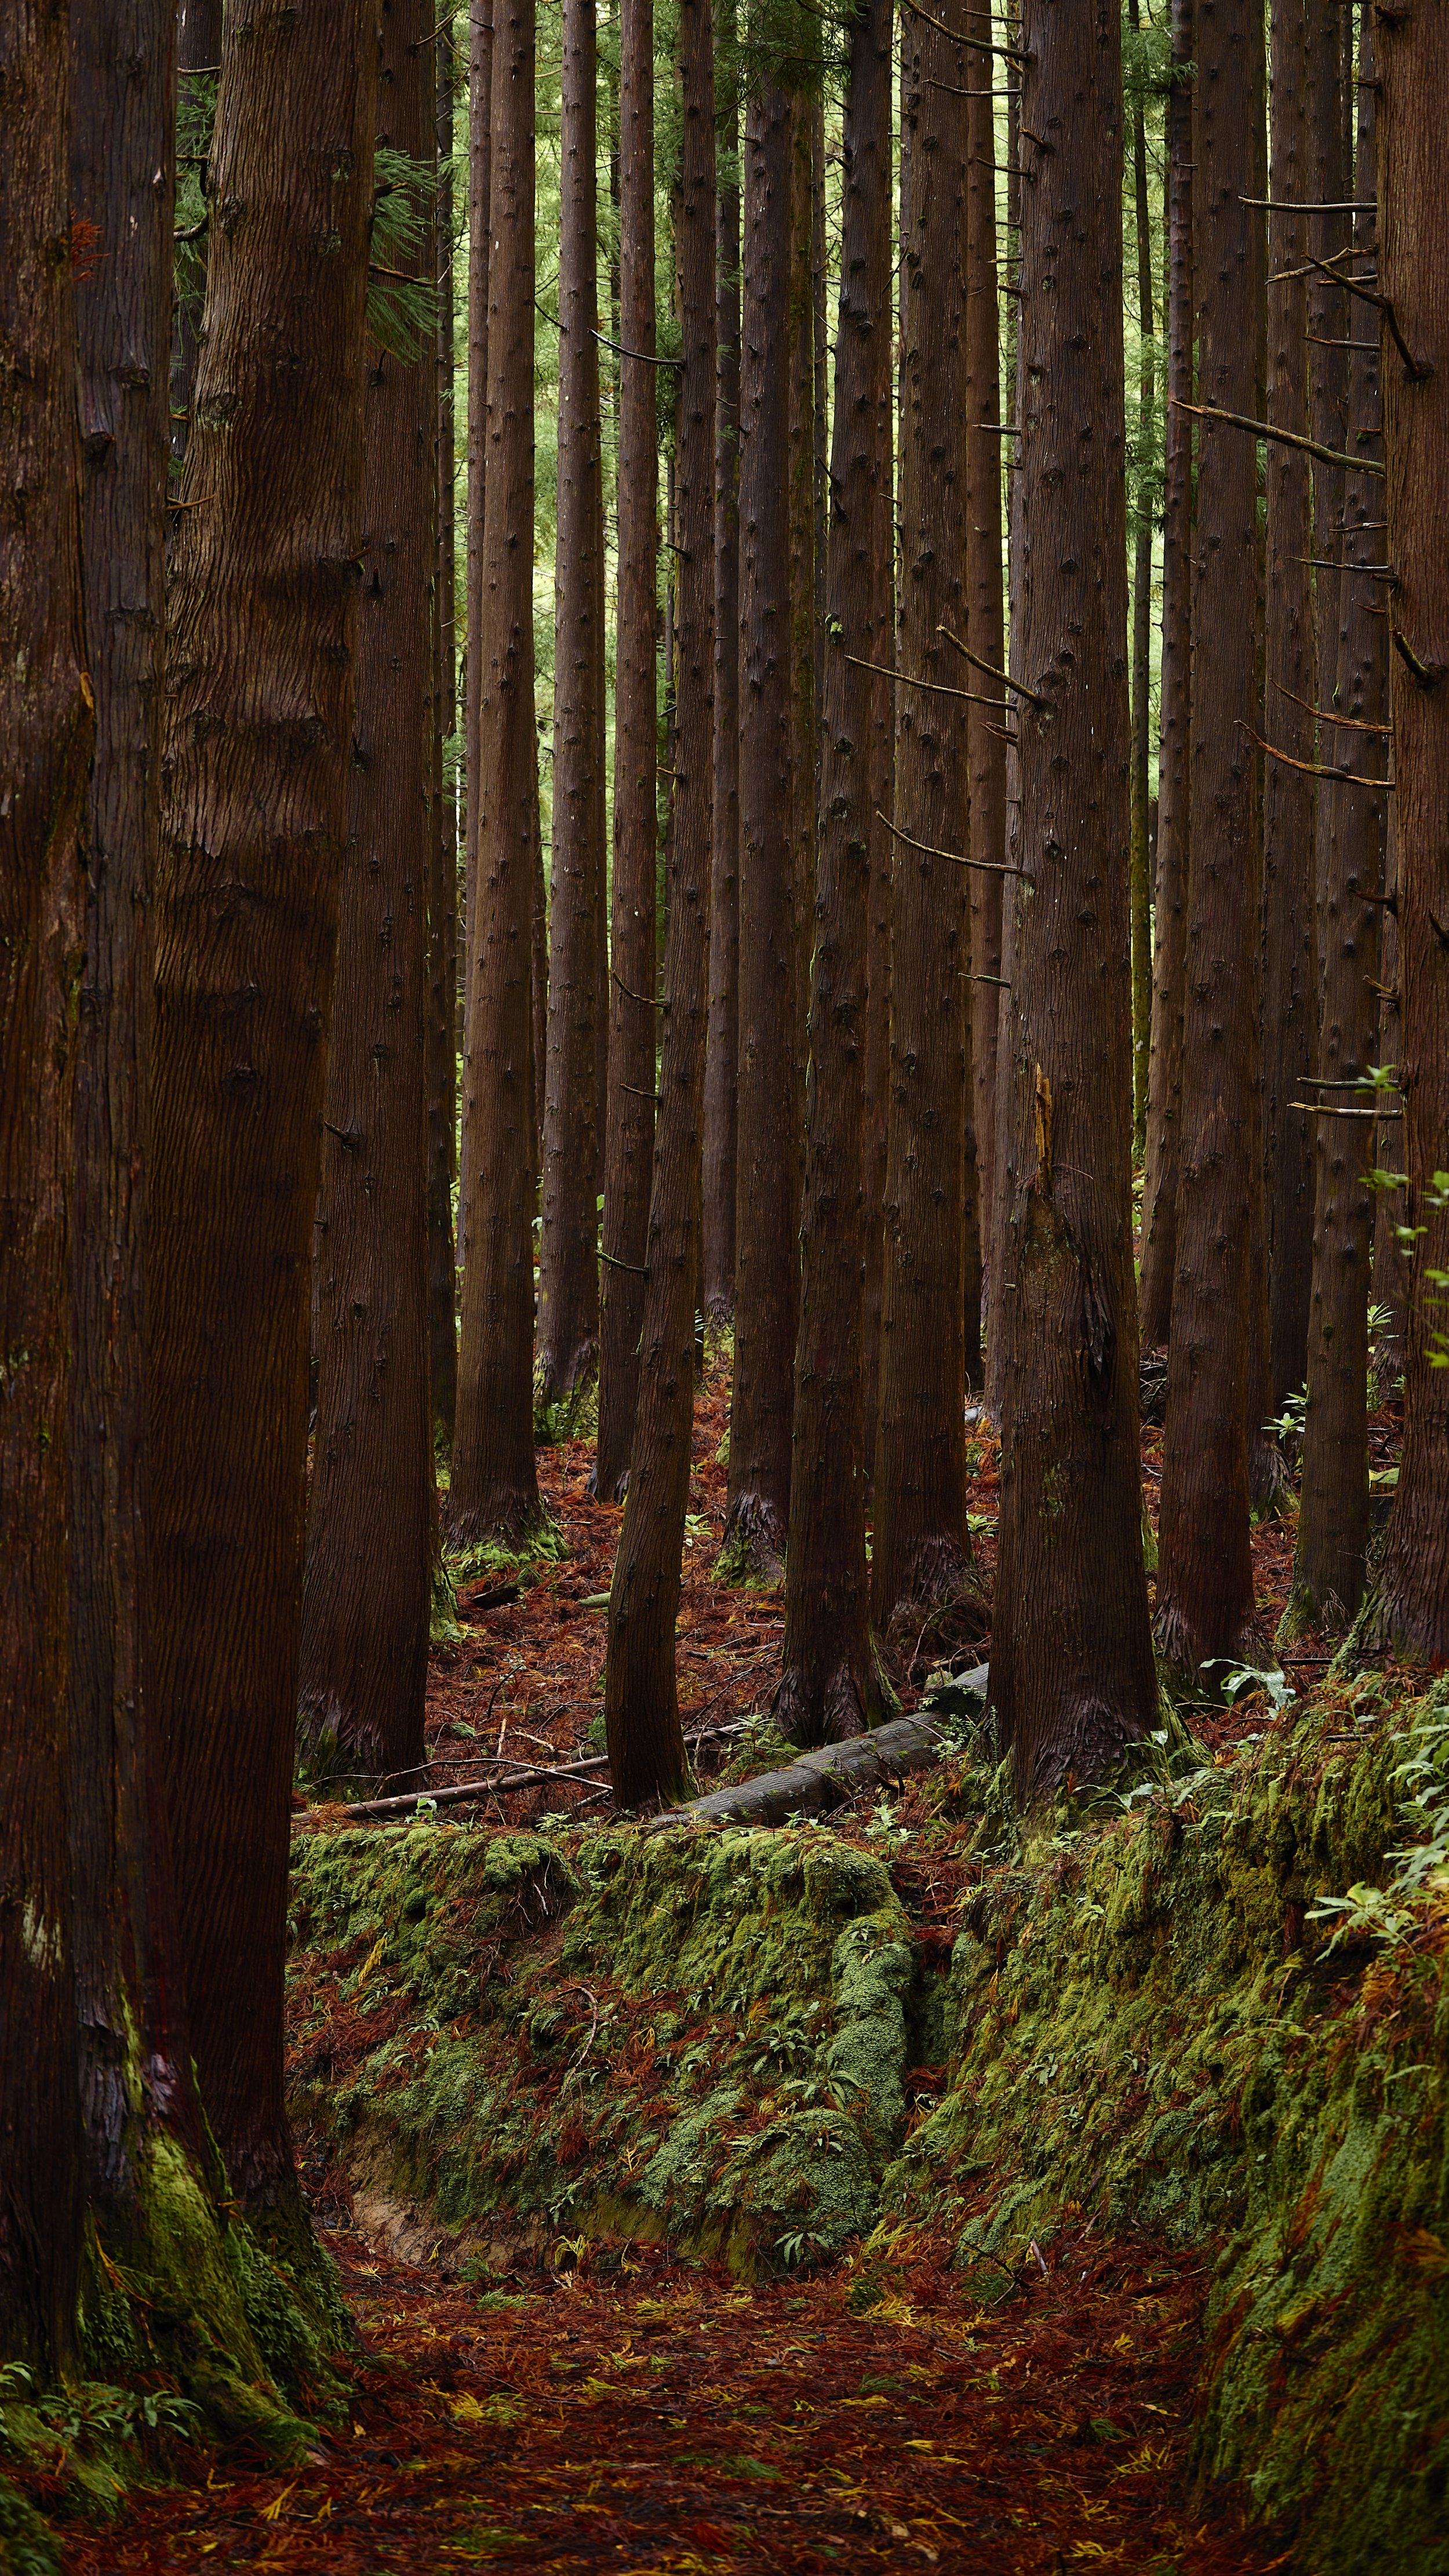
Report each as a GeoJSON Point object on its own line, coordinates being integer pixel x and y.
{"type": "Point", "coordinates": [830, 1686]}
{"type": "Point", "coordinates": [1141, 863]}
{"type": "Point", "coordinates": [480, 189]}
{"type": "Point", "coordinates": [720, 1126]}
{"type": "Point", "coordinates": [443, 877]}
{"type": "Point", "coordinates": [262, 631]}
{"type": "Point", "coordinates": [884, 349]}
{"type": "Point", "coordinates": [800, 348]}
{"type": "Point", "coordinates": [1072, 1677]}
{"type": "Point", "coordinates": [641, 1704]}
{"type": "Point", "coordinates": [1333, 317]}
{"type": "Point", "coordinates": [986, 725]}
{"type": "Point", "coordinates": [494, 1490]}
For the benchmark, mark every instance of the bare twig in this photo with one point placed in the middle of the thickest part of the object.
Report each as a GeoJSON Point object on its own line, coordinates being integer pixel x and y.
{"type": "Point", "coordinates": [990, 867]}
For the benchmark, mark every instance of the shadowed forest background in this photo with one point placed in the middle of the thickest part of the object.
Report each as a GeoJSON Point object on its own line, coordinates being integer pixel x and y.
{"type": "Point", "coordinates": [724, 1383]}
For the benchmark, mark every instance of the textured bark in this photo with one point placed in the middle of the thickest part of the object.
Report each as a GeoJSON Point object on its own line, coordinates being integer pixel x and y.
{"type": "Point", "coordinates": [1333, 1520]}
{"type": "Point", "coordinates": [495, 1484]}
{"type": "Point", "coordinates": [886, 349]}
{"type": "Point", "coordinates": [641, 1703]}
{"type": "Point", "coordinates": [45, 742]}
{"type": "Point", "coordinates": [372, 1510]}
{"type": "Point", "coordinates": [1329, 312]}
{"type": "Point", "coordinates": [1411, 1611]}
{"type": "Point", "coordinates": [630, 1142]}
{"type": "Point", "coordinates": [1002, 1147]}
{"type": "Point", "coordinates": [480, 187]}
{"type": "Point", "coordinates": [765, 1257]}
{"type": "Point", "coordinates": [922, 1550]}
{"type": "Point", "coordinates": [1072, 1676]}
{"type": "Point", "coordinates": [263, 622]}
{"type": "Point", "coordinates": [443, 873]}
{"type": "Point", "coordinates": [1290, 982]}
{"type": "Point", "coordinates": [720, 1124]}
{"type": "Point", "coordinates": [568, 1280]}
{"type": "Point", "coordinates": [985, 725]}
{"type": "Point", "coordinates": [800, 352]}
{"type": "Point", "coordinates": [1391, 1270]}
{"type": "Point", "coordinates": [830, 1686]}
{"type": "Point", "coordinates": [1141, 865]}
{"type": "Point", "coordinates": [1205, 1578]}
{"type": "Point", "coordinates": [1164, 1076]}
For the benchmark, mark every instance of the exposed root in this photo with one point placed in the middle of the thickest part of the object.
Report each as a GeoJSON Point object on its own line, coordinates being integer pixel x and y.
{"type": "Point", "coordinates": [753, 1547]}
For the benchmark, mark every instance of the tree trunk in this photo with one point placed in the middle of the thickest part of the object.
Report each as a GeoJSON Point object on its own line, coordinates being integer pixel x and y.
{"type": "Point", "coordinates": [1290, 982]}
{"type": "Point", "coordinates": [831, 1687]}
{"type": "Point", "coordinates": [887, 350]}
{"type": "Point", "coordinates": [480, 188]}
{"type": "Point", "coordinates": [765, 1252]}
{"type": "Point", "coordinates": [986, 726]}
{"type": "Point", "coordinates": [922, 1550]}
{"type": "Point", "coordinates": [1146, 492]}
{"type": "Point", "coordinates": [1164, 1074]}
{"type": "Point", "coordinates": [263, 624]}
{"type": "Point", "coordinates": [372, 1510]}
{"type": "Point", "coordinates": [495, 1484]}
{"type": "Point", "coordinates": [46, 709]}
{"type": "Point", "coordinates": [1391, 1270]}
{"type": "Point", "coordinates": [800, 348]}
{"type": "Point", "coordinates": [1329, 311]}
{"type": "Point", "coordinates": [1328, 1571]}
{"type": "Point", "coordinates": [999, 1288]}
{"type": "Point", "coordinates": [568, 1280]}
{"type": "Point", "coordinates": [720, 1124]}
{"type": "Point", "coordinates": [443, 876]}
{"type": "Point", "coordinates": [1072, 1677]}
{"type": "Point", "coordinates": [641, 1705]}
{"type": "Point", "coordinates": [1205, 1579]}
{"type": "Point", "coordinates": [636, 722]}
{"type": "Point", "coordinates": [1411, 1610]}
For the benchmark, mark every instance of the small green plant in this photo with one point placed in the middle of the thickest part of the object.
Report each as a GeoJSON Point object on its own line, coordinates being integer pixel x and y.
{"type": "Point", "coordinates": [1239, 1678]}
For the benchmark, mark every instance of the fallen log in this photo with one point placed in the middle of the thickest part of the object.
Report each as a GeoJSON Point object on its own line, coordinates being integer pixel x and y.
{"type": "Point", "coordinates": [821, 1780]}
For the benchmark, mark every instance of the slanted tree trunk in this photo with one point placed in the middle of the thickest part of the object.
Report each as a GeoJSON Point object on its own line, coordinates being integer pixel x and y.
{"type": "Point", "coordinates": [480, 189]}
{"type": "Point", "coordinates": [720, 1124]}
{"type": "Point", "coordinates": [262, 632]}
{"type": "Point", "coordinates": [568, 1277]}
{"type": "Point", "coordinates": [1164, 1073]}
{"type": "Point", "coordinates": [922, 1549]}
{"type": "Point", "coordinates": [45, 744]}
{"type": "Point", "coordinates": [831, 1684]}
{"type": "Point", "coordinates": [765, 1254]}
{"type": "Point", "coordinates": [372, 1509]}
{"type": "Point", "coordinates": [1410, 1611]}
{"type": "Point", "coordinates": [1146, 492]}
{"type": "Point", "coordinates": [1290, 981]}
{"type": "Point", "coordinates": [443, 872]}
{"type": "Point", "coordinates": [641, 1704]}
{"type": "Point", "coordinates": [1072, 1677]}
{"type": "Point", "coordinates": [630, 1141]}
{"type": "Point", "coordinates": [494, 1491]}
{"type": "Point", "coordinates": [986, 725]}
{"type": "Point", "coordinates": [1205, 1578]}
{"type": "Point", "coordinates": [1328, 1569]}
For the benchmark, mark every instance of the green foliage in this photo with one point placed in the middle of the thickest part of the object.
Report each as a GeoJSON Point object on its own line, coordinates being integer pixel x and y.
{"type": "Point", "coordinates": [402, 309]}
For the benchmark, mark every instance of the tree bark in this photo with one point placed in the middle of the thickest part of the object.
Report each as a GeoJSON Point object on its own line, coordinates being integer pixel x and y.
{"type": "Point", "coordinates": [630, 1141]}
{"type": "Point", "coordinates": [46, 707]}
{"type": "Point", "coordinates": [922, 1549]}
{"type": "Point", "coordinates": [568, 1299]}
{"type": "Point", "coordinates": [480, 189]}
{"type": "Point", "coordinates": [1333, 1520]}
{"type": "Point", "coordinates": [1290, 981]}
{"type": "Point", "coordinates": [887, 356]}
{"type": "Point", "coordinates": [1164, 1074]}
{"type": "Point", "coordinates": [494, 1491]}
{"type": "Point", "coordinates": [263, 623]}
{"type": "Point", "coordinates": [443, 874]}
{"type": "Point", "coordinates": [1145, 482]}
{"type": "Point", "coordinates": [720, 1123]}
{"type": "Point", "coordinates": [1391, 1270]}
{"type": "Point", "coordinates": [831, 1685]}
{"type": "Point", "coordinates": [800, 349]}
{"type": "Point", "coordinates": [372, 1509]}
{"type": "Point", "coordinates": [1411, 1610]}
{"type": "Point", "coordinates": [986, 726]}
{"type": "Point", "coordinates": [765, 1251]}
{"type": "Point", "coordinates": [641, 1703]}
{"type": "Point", "coordinates": [1205, 1579]}
{"type": "Point", "coordinates": [1072, 1676]}
{"type": "Point", "coordinates": [1328, 316]}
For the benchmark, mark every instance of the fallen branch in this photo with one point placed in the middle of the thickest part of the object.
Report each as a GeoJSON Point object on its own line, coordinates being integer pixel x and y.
{"type": "Point", "coordinates": [820, 1780]}
{"type": "Point", "coordinates": [466, 1789]}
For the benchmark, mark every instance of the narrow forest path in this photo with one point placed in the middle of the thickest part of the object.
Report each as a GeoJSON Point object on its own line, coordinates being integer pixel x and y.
{"type": "Point", "coordinates": [672, 2420]}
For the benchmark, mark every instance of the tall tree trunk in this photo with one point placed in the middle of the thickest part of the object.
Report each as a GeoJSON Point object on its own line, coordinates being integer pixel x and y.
{"type": "Point", "coordinates": [46, 708]}
{"type": "Point", "coordinates": [1072, 1676]}
{"type": "Point", "coordinates": [372, 1510]}
{"type": "Point", "coordinates": [198, 52]}
{"type": "Point", "coordinates": [1205, 1578]}
{"type": "Point", "coordinates": [480, 190]}
{"type": "Point", "coordinates": [1328, 315]}
{"type": "Point", "coordinates": [1164, 1074]}
{"type": "Point", "coordinates": [999, 1287]}
{"type": "Point", "coordinates": [887, 359]}
{"type": "Point", "coordinates": [636, 752]}
{"type": "Point", "coordinates": [720, 1124]}
{"type": "Point", "coordinates": [986, 725]}
{"type": "Point", "coordinates": [1290, 981]}
{"type": "Point", "coordinates": [263, 624]}
{"type": "Point", "coordinates": [641, 1703]}
{"type": "Point", "coordinates": [1328, 1570]}
{"type": "Point", "coordinates": [922, 1549]}
{"type": "Point", "coordinates": [1411, 1608]}
{"type": "Point", "coordinates": [568, 1283]}
{"type": "Point", "coordinates": [494, 1490]}
{"type": "Point", "coordinates": [800, 349]}
{"type": "Point", "coordinates": [1146, 483]}
{"type": "Point", "coordinates": [1391, 1270]}
{"type": "Point", "coordinates": [831, 1684]}
{"type": "Point", "coordinates": [765, 1257]}
{"type": "Point", "coordinates": [443, 873]}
